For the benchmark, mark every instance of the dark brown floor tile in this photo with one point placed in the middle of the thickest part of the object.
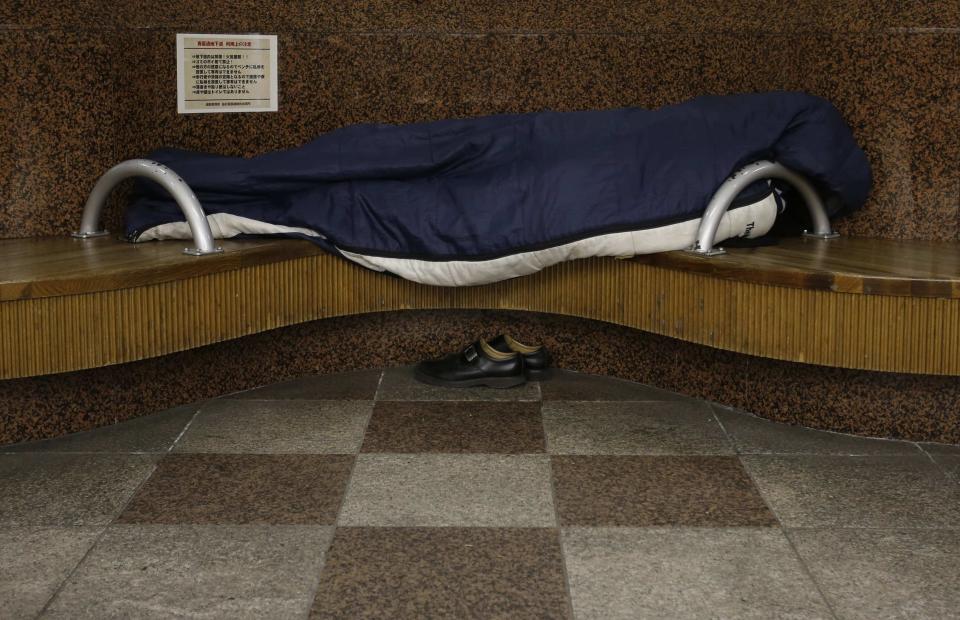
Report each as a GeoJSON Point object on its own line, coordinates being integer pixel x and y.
{"type": "Point", "coordinates": [361, 385]}
{"type": "Point", "coordinates": [484, 427]}
{"type": "Point", "coordinates": [242, 489]}
{"type": "Point", "coordinates": [567, 385]}
{"type": "Point", "coordinates": [656, 490]}
{"type": "Point", "coordinates": [442, 573]}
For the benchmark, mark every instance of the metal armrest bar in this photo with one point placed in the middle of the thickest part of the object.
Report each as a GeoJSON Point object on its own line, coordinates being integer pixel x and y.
{"type": "Point", "coordinates": [740, 179]}
{"type": "Point", "coordinates": [170, 180]}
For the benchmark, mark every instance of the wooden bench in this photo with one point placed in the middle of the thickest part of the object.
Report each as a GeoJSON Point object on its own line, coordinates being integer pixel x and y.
{"type": "Point", "coordinates": [72, 304]}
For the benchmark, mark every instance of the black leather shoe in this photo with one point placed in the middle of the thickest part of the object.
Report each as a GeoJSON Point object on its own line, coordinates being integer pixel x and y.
{"type": "Point", "coordinates": [536, 360]}
{"type": "Point", "coordinates": [477, 365]}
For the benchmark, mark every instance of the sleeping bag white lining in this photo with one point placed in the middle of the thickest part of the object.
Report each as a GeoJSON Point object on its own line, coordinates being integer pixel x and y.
{"type": "Point", "coordinates": [222, 226]}
{"type": "Point", "coordinates": [750, 221]}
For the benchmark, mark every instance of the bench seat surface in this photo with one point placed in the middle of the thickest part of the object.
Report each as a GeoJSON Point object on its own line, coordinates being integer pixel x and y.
{"type": "Point", "coordinates": [44, 267]}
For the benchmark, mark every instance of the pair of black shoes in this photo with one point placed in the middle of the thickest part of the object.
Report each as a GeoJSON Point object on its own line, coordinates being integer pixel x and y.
{"type": "Point", "coordinates": [500, 363]}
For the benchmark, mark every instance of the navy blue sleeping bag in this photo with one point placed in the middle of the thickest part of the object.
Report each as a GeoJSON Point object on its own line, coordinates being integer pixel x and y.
{"type": "Point", "coordinates": [477, 200]}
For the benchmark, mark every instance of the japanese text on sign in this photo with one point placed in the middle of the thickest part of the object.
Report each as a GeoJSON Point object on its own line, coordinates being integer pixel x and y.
{"type": "Point", "coordinates": [226, 73]}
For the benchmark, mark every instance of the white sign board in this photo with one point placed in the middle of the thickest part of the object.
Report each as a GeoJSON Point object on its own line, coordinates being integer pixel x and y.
{"type": "Point", "coordinates": [226, 73]}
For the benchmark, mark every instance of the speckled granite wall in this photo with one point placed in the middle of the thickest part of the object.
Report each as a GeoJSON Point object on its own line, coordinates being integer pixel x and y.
{"type": "Point", "coordinates": [92, 82]}
{"type": "Point", "coordinates": [878, 404]}
{"type": "Point", "coordinates": [87, 83]}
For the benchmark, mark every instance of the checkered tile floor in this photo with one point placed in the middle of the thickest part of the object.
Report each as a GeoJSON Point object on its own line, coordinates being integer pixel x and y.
{"type": "Point", "coordinates": [368, 495]}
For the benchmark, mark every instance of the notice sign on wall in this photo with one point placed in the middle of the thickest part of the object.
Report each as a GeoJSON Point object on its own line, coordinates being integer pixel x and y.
{"type": "Point", "coordinates": [226, 73]}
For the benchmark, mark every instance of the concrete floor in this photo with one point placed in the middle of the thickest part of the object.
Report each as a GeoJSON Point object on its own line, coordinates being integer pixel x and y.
{"type": "Point", "coordinates": [370, 495]}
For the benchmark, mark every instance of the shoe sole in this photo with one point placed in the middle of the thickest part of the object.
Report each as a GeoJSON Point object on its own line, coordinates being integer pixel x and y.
{"type": "Point", "coordinates": [499, 383]}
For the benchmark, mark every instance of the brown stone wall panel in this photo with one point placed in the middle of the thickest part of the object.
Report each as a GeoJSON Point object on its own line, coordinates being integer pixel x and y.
{"type": "Point", "coordinates": [241, 16]}
{"type": "Point", "coordinates": [901, 95]}
{"type": "Point", "coordinates": [646, 16]}
{"type": "Point", "coordinates": [12, 186]}
{"type": "Point", "coordinates": [134, 77]}
{"type": "Point", "coordinates": [242, 134]}
{"type": "Point", "coordinates": [751, 62]}
{"type": "Point", "coordinates": [61, 129]}
{"type": "Point", "coordinates": [55, 14]}
{"type": "Point", "coordinates": [331, 81]}
{"type": "Point", "coordinates": [9, 13]}
{"type": "Point", "coordinates": [898, 90]}
{"type": "Point", "coordinates": [327, 82]}
{"type": "Point", "coordinates": [230, 16]}
{"type": "Point", "coordinates": [430, 77]}
{"type": "Point", "coordinates": [902, 118]}
{"type": "Point", "coordinates": [918, 407]}
{"type": "Point", "coordinates": [485, 16]}
{"type": "Point", "coordinates": [846, 16]}
{"type": "Point", "coordinates": [75, 107]}
{"type": "Point", "coordinates": [502, 16]}
{"type": "Point", "coordinates": [592, 71]}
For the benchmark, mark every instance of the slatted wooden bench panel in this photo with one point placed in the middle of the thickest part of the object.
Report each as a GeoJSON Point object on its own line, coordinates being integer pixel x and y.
{"type": "Point", "coordinates": [854, 303]}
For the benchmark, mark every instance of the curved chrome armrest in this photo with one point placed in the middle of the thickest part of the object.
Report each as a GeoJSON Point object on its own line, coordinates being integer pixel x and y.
{"type": "Point", "coordinates": [740, 179]}
{"type": "Point", "coordinates": [170, 180]}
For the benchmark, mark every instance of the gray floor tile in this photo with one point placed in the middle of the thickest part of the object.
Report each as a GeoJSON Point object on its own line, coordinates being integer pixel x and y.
{"type": "Point", "coordinates": [753, 435]}
{"type": "Point", "coordinates": [949, 464]}
{"type": "Point", "coordinates": [152, 433]}
{"type": "Point", "coordinates": [450, 490]}
{"type": "Point", "coordinates": [35, 561]}
{"type": "Point", "coordinates": [633, 428]}
{"type": "Point", "coordinates": [856, 491]}
{"type": "Point", "coordinates": [687, 573]}
{"type": "Point", "coordinates": [68, 489]}
{"type": "Point", "coordinates": [399, 384]}
{"type": "Point", "coordinates": [946, 456]}
{"type": "Point", "coordinates": [567, 385]}
{"type": "Point", "coordinates": [265, 427]}
{"type": "Point", "coordinates": [941, 449]}
{"type": "Point", "coordinates": [196, 571]}
{"type": "Point", "coordinates": [357, 385]}
{"type": "Point", "coordinates": [877, 574]}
